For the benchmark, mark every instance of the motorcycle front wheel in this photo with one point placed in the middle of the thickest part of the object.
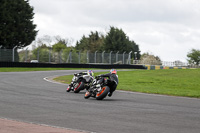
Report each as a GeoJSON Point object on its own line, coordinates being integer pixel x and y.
{"type": "Point", "coordinates": [68, 88]}
{"type": "Point", "coordinates": [87, 95]}
{"type": "Point", "coordinates": [78, 87]}
{"type": "Point", "coordinates": [102, 93]}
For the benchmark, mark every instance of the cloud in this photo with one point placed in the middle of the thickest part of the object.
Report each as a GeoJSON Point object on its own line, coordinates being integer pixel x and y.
{"type": "Point", "coordinates": [168, 29]}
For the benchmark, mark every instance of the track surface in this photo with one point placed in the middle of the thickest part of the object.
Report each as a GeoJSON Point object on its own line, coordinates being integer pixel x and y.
{"type": "Point", "coordinates": [25, 96]}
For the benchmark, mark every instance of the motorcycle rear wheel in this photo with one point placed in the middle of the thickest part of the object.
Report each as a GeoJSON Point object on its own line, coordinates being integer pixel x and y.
{"type": "Point", "coordinates": [103, 93]}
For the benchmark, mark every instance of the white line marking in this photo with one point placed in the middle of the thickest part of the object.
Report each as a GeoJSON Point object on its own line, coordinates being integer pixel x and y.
{"type": "Point", "coordinates": [51, 81]}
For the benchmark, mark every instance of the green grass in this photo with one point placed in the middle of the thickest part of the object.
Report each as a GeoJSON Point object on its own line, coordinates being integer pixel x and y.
{"type": "Point", "coordinates": [176, 82]}
{"type": "Point", "coordinates": [180, 82]}
{"type": "Point", "coordinates": [64, 79]}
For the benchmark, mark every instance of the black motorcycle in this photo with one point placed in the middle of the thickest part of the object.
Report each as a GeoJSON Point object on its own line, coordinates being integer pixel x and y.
{"type": "Point", "coordinates": [99, 88]}
{"type": "Point", "coordinates": [80, 82]}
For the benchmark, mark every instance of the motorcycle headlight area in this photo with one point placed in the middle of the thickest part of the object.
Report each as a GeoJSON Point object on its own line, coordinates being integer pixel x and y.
{"type": "Point", "coordinates": [74, 78]}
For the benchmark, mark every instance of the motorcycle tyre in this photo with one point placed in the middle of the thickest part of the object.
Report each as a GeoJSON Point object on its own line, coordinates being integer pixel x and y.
{"type": "Point", "coordinates": [79, 88]}
{"type": "Point", "coordinates": [68, 89]}
{"type": "Point", "coordinates": [104, 92]}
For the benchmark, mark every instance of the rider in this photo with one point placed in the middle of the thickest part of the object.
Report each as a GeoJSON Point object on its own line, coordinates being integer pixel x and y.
{"type": "Point", "coordinates": [113, 77]}
{"type": "Point", "coordinates": [89, 73]}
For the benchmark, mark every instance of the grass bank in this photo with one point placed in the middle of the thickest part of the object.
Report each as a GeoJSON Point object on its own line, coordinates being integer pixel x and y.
{"type": "Point", "coordinates": [175, 82]}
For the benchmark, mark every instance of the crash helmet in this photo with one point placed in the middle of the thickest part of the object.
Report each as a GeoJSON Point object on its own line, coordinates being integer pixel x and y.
{"type": "Point", "coordinates": [90, 72]}
{"type": "Point", "coordinates": [113, 71]}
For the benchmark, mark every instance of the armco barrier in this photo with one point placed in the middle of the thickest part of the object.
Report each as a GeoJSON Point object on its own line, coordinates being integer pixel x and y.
{"type": "Point", "coordinates": [71, 65]}
{"type": "Point", "coordinates": [156, 67]}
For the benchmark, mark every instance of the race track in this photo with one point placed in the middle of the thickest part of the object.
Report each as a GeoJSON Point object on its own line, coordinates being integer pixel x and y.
{"type": "Point", "coordinates": [26, 96]}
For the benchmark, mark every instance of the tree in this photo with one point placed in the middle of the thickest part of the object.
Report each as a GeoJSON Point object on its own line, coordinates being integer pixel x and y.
{"type": "Point", "coordinates": [16, 24]}
{"type": "Point", "coordinates": [150, 59]}
{"type": "Point", "coordinates": [93, 42]}
{"type": "Point", "coordinates": [194, 56]}
{"type": "Point", "coordinates": [135, 49]}
{"type": "Point", "coordinates": [59, 46]}
{"type": "Point", "coordinates": [117, 40]}
{"type": "Point", "coordinates": [41, 52]}
{"type": "Point", "coordinates": [62, 40]}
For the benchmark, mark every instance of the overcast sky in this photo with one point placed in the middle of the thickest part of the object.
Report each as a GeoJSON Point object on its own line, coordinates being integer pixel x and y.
{"type": "Point", "coordinates": [166, 28]}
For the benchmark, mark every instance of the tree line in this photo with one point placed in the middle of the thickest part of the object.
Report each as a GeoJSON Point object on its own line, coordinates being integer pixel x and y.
{"type": "Point", "coordinates": [115, 40]}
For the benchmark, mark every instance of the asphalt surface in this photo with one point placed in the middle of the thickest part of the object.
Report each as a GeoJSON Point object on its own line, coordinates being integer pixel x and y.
{"type": "Point", "coordinates": [26, 96]}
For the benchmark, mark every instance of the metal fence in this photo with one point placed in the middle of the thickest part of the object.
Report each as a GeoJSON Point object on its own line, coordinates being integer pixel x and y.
{"type": "Point", "coordinates": [166, 63]}
{"type": "Point", "coordinates": [163, 63]}
{"type": "Point", "coordinates": [8, 55]}
{"type": "Point", "coordinates": [64, 56]}
{"type": "Point", "coordinates": [68, 56]}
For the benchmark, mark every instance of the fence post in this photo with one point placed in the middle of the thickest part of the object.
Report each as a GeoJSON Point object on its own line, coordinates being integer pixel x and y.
{"type": "Point", "coordinates": [103, 56]}
{"type": "Point", "coordinates": [135, 55]}
{"type": "Point", "coordinates": [38, 54]}
{"type": "Point", "coordinates": [117, 56]}
{"type": "Point", "coordinates": [60, 56]}
{"type": "Point", "coordinates": [79, 57]}
{"type": "Point", "coordinates": [87, 56]}
{"type": "Point", "coordinates": [26, 54]}
{"type": "Point", "coordinates": [0, 53]}
{"type": "Point", "coordinates": [129, 58]}
{"type": "Point", "coordinates": [110, 57]}
{"type": "Point", "coordinates": [95, 57]}
{"type": "Point", "coordinates": [14, 53]}
{"type": "Point", "coordinates": [50, 55]}
{"type": "Point", "coordinates": [70, 58]}
{"type": "Point", "coordinates": [123, 56]}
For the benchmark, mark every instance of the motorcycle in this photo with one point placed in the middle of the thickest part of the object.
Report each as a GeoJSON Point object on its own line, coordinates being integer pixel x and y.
{"type": "Point", "coordinates": [79, 82]}
{"type": "Point", "coordinates": [99, 88]}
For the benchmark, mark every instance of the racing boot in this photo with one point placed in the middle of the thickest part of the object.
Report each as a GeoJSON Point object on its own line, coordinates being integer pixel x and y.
{"type": "Point", "coordinates": [110, 94]}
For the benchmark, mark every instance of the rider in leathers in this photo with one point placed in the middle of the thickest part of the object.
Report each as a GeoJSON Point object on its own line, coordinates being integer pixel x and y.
{"type": "Point", "coordinates": [113, 77]}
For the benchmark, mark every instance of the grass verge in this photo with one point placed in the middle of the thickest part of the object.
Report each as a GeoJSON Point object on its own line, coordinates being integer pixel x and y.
{"type": "Point", "coordinates": [175, 82]}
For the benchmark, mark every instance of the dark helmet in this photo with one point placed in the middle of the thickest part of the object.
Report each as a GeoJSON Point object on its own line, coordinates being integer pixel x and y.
{"type": "Point", "coordinates": [113, 71]}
